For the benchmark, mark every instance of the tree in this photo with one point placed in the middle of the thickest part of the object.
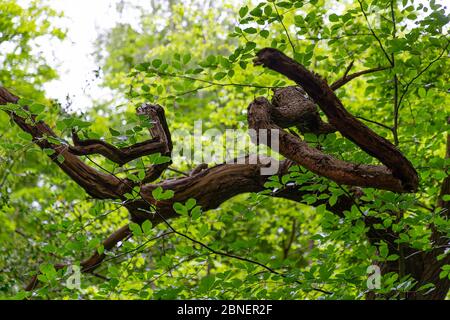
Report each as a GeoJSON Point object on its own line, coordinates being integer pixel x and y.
{"type": "Point", "coordinates": [23, 29]}
{"type": "Point", "coordinates": [390, 214]}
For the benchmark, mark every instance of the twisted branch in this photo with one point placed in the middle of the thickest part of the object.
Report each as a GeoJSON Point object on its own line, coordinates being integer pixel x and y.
{"type": "Point", "coordinates": [349, 126]}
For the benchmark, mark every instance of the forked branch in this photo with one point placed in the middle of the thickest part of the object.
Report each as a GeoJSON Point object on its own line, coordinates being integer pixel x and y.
{"type": "Point", "coordinates": [348, 125]}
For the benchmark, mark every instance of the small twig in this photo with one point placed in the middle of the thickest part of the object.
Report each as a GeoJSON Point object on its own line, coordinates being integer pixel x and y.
{"type": "Point", "coordinates": [375, 122]}
{"type": "Point", "coordinates": [285, 29]}
{"type": "Point", "coordinates": [178, 171]}
{"type": "Point", "coordinates": [189, 258]}
{"type": "Point", "coordinates": [186, 92]}
{"type": "Point", "coordinates": [396, 111]}
{"type": "Point", "coordinates": [336, 38]}
{"type": "Point", "coordinates": [396, 104]}
{"type": "Point", "coordinates": [349, 195]}
{"type": "Point", "coordinates": [421, 72]}
{"type": "Point", "coordinates": [227, 84]}
{"type": "Point", "coordinates": [348, 68]}
{"type": "Point", "coordinates": [221, 253]}
{"type": "Point", "coordinates": [134, 249]}
{"type": "Point", "coordinates": [346, 78]}
{"type": "Point", "coordinates": [287, 247]}
{"type": "Point", "coordinates": [95, 274]}
{"type": "Point", "coordinates": [374, 34]}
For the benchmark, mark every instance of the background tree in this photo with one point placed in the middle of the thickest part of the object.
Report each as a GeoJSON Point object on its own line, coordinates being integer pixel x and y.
{"type": "Point", "coordinates": [23, 67]}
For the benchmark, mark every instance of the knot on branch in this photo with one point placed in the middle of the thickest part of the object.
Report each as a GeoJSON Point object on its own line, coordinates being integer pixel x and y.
{"type": "Point", "coordinates": [291, 106]}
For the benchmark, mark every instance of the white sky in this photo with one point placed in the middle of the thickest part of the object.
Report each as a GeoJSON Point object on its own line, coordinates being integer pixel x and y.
{"type": "Point", "coordinates": [73, 57]}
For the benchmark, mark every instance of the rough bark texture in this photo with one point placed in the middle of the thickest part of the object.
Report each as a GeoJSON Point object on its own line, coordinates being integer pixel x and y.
{"type": "Point", "coordinates": [292, 147]}
{"type": "Point", "coordinates": [290, 107]}
{"type": "Point", "coordinates": [340, 118]}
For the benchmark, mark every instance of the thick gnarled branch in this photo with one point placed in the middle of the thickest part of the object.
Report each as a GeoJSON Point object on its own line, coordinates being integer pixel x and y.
{"type": "Point", "coordinates": [293, 148]}
{"type": "Point", "coordinates": [96, 183]}
{"type": "Point", "coordinates": [210, 187]}
{"type": "Point", "coordinates": [340, 118]}
{"type": "Point", "coordinates": [120, 156]}
{"type": "Point", "coordinates": [291, 106]}
{"type": "Point", "coordinates": [160, 143]}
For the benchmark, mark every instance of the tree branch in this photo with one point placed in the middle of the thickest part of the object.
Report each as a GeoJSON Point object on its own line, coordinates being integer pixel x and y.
{"type": "Point", "coordinates": [292, 147]}
{"type": "Point", "coordinates": [374, 34]}
{"type": "Point", "coordinates": [96, 184]}
{"type": "Point", "coordinates": [346, 78]}
{"type": "Point", "coordinates": [350, 127]}
{"type": "Point", "coordinates": [120, 156]}
{"type": "Point", "coordinates": [95, 260]}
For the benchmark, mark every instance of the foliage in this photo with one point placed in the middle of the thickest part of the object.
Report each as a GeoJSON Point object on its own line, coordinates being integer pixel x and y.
{"type": "Point", "coordinates": [23, 68]}
{"type": "Point", "coordinates": [198, 65]}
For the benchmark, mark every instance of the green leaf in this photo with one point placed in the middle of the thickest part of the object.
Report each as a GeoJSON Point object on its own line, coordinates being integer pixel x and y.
{"type": "Point", "coordinates": [190, 203]}
{"type": "Point", "coordinates": [196, 212]}
{"type": "Point", "coordinates": [180, 209]}
{"type": "Point", "coordinates": [60, 158]}
{"type": "Point", "coordinates": [392, 257]}
{"type": "Point", "coordinates": [443, 274]}
{"type": "Point", "coordinates": [141, 175]}
{"type": "Point", "coordinates": [384, 251]}
{"type": "Point", "coordinates": [264, 33]}
{"type": "Point", "coordinates": [285, 4]}
{"type": "Point", "coordinates": [37, 108]}
{"type": "Point", "coordinates": [142, 66]}
{"type": "Point", "coordinates": [285, 179]}
{"type": "Point", "coordinates": [207, 283]}
{"type": "Point", "coordinates": [332, 200]}
{"type": "Point", "coordinates": [160, 194]}
{"type": "Point", "coordinates": [49, 152]}
{"type": "Point", "coordinates": [48, 270]}
{"type": "Point", "coordinates": [156, 63]}
{"type": "Point", "coordinates": [257, 12]}
{"type": "Point", "coordinates": [250, 30]}
{"type": "Point", "coordinates": [24, 102]}
{"type": "Point", "coordinates": [25, 136]}
{"type": "Point", "coordinates": [334, 17]}
{"type": "Point", "coordinates": [186, 58]}
{"type": "Point", "coordinates": [157, 158]}
{"type": "Point", "coordinates": [147, 227]}
{"type": "Point", "coordinates": [422, 92]}
{"type": "Point", "coordinates": [219, 75]}
{"type": "Point", "coordinates": [135, 229]}
{"type": "Point", "coordinates": [114, 133]}
{"type": "Point", "coordinates": [243, 11]}
{"type": "Point", "coordinates": [243, 64]}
